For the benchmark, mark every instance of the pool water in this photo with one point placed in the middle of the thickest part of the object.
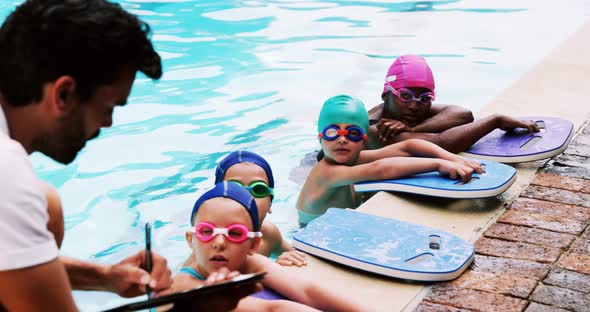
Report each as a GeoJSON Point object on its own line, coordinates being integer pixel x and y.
{"type": "Point", "coordinates": [253, 75]}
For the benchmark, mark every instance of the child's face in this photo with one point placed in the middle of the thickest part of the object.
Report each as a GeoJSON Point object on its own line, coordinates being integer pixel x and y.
{"type": "Point", "coordinates": [220, 252]}
{"type": "Point", "coordinates": [342, 150]}
{"type": "Point", "coordinates": [412, 113]}
{"type": "Point", "coordinates": [247, 173]}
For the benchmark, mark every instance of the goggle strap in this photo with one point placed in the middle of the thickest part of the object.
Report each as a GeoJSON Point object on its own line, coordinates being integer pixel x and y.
{"type": "Point", "coordinates": [254, 234]}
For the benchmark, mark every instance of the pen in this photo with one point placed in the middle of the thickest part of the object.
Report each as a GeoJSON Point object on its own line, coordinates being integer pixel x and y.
{"type": "Point", "coordinates": [148, 255]}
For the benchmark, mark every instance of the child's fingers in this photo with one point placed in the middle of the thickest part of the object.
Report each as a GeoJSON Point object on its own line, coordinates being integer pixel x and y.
{"type": "Point", "coordinates": [221, 275]}
{"type": "Point", "coordinates": [299, 257]}
{"type": "Point", "coordinates": [284, 262]}
{"type": "Point", "coordinates": [465, 174]}
{"type": "Point", "coordinates": [232, 274]}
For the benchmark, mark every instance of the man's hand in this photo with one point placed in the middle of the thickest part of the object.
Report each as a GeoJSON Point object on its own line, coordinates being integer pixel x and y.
{"type": "Point", "coordinates": [292, 257]}
{"type": "Point", "coordinates": [508, 123]}
{"type": "Point", "coordinates": [390, 127]}
{"type": "Point", "coordinates": [455, 170]}
{"type": "Point", "coordinates": [128, 277]}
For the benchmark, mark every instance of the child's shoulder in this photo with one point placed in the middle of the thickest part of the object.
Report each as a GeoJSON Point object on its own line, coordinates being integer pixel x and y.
{"type": "Point", "coordinates": [270, 229]}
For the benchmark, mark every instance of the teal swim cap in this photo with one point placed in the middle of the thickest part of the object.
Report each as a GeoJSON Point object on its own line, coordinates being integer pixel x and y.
{"type": "Point", "coordinates": [343, 109]}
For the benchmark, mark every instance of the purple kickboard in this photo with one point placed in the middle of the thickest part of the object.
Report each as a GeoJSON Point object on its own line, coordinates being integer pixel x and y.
{"type": "Point", "coordinates": [267, 294]}
{"type": "Point", "coordinates": [504, 146]}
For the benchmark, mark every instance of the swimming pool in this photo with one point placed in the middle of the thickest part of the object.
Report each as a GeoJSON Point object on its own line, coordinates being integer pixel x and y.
{"type": "Point", "coordinates": [252, 75]}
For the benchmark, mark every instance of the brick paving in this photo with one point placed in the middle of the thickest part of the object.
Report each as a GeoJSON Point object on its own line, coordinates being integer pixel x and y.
{"type": "Point", "coordinates": [536, 257]}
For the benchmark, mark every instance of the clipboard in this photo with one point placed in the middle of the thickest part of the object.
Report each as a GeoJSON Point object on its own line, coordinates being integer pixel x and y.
{"type": "Point", "coordinates": [184, 296]}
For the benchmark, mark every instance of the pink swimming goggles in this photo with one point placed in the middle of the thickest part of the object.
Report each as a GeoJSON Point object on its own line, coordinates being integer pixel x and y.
{"type": "Point", "coordinates": [235, 233]}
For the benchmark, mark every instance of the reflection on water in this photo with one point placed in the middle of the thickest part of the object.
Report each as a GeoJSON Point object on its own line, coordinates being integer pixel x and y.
{"type": "Point", "coordinates": [252, 75]}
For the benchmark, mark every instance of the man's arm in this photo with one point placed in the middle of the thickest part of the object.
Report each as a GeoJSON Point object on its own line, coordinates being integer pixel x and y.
{"type": "Point", "coordinates": [37, 288]}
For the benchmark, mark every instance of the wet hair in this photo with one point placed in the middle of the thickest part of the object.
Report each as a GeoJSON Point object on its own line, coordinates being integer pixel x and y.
{"type": "Point", "coordinates": [90, 40]}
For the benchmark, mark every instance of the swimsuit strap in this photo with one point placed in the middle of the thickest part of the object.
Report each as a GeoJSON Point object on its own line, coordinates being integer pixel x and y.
{"type": "Point", "coordinates": [192, 272]}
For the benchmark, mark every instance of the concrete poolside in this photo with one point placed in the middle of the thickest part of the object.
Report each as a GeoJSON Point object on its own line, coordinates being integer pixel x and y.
{"type": "Point", "coordinates": [533, 255]}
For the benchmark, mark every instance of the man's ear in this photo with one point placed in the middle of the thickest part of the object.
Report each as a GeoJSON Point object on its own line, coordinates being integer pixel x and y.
{"type": "Point", "coordinates": [63, 94]}
{"type": "Point", "coordinates": [255, 244]}
{"type": "Point", "coordinates": [188, 236]}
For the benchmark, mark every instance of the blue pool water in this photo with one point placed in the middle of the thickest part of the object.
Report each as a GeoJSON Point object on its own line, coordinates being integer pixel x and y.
{"type": "Point", "coordinates": [252, 75]}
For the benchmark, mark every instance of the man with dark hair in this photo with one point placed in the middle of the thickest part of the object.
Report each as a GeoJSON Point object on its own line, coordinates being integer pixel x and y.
{"type": "Point", "coordinates": [64, 67]}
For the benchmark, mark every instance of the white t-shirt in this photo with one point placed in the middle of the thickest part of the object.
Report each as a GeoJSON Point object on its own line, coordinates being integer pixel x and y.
{"type": "Point", "coordinates": [24, 238]}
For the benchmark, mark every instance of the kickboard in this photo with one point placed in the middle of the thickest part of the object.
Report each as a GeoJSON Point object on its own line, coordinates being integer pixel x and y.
{"type": "Point", "coordinates": [520, 146]}
{"type": "Point", "coordinates": [385, 246]}
{"type": "Point", "coordinates": [496, 179]}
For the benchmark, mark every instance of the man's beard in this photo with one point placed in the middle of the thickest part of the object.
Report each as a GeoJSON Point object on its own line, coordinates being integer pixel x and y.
{"type": "Point", "coordinates": [63, 144]}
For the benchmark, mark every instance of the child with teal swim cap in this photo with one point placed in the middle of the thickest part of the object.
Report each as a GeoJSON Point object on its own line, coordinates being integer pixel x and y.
{"type": "Point", "coordinates": [342, 130]}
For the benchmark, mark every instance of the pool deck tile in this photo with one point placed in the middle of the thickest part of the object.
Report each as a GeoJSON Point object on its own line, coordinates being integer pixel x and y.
{"type": "Point", "coordinates": [561, 298]}
{"type": "Point", "coordinates": [581, 246]}
{"type": "Point", "coordinates": [568, 279]}
{"type": "Point", "coordinates": [474, 299]}
{"type": "Point", "coordinates": [537, 307]}
{"type": "Point", "coordinates": [530, 235]}
{"type": "Point", "coordinates": [505, 284]}
{"type": "Point", "coordinates": [433, 307]}
{"type": "Point", "coordinates": [576, 262]}
{"type": "Point", "coordinates": [543, 221]}
{"type": "Point", "coordinates": [577, 213]}
{"type": "Point", "coordinates": [516, 250]}
{"type": "Point", "coordinates": [568, 172]}
{"type": "Point", "coordinates": [514, 267]}
{"type": "Point", "coordinates": [536, 257]}
{"type": "Point", "coordinates": [557, 195]}
{"type": "Point", "coordinates": [561, 182]}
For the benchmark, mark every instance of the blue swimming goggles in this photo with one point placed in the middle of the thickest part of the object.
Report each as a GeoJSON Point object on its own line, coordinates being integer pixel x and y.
{"type": "Point", "coordinates": [353, 133]}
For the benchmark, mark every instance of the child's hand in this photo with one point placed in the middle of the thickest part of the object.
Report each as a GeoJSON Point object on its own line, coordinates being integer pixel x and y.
{"type": "Point", "coordinates": [292, 257]}
{"type": "Point", "coordinates": [507, 123]}
{"type": "Point", "coordinates": [476, 166]}
{"type": "Point", "coordinates": [455, 170]}
{"type": "Point", "coordinates": [221, 275]}
{"type": "Point", "coordinates": [390, 127]}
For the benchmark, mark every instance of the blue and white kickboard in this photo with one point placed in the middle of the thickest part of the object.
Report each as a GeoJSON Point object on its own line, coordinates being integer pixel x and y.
{"type": "Point", "coordinates": [385, 246]}
{"type": "Point", "coordinates": [496, 179]}
{"type": "Point", "coordinates": [520, 146]}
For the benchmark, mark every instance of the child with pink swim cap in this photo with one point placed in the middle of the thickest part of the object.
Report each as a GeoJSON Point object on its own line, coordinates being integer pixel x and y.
{"type": "Point", "coordinates": [408, 112]}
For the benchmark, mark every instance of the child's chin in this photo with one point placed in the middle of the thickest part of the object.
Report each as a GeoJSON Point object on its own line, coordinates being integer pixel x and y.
{"type": "Point", "coordinates": [341, 160]}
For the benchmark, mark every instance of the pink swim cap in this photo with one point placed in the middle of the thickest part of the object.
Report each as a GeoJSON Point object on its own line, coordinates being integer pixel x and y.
{"type": "Point", "coordinates": [409, 71]}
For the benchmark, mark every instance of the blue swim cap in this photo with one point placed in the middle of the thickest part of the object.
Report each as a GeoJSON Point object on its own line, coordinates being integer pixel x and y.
{"type": "Point", "coordinates": [232, 191]}
{"type": "Point", "coordinates": [343, 109]}
{"type": "Point", "coordinates": [239, 157]}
